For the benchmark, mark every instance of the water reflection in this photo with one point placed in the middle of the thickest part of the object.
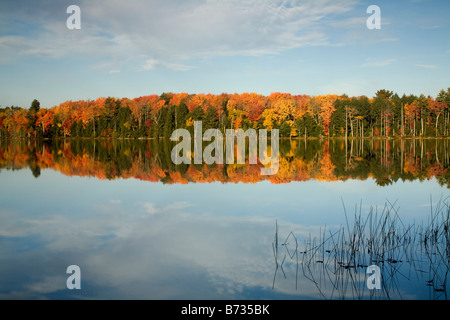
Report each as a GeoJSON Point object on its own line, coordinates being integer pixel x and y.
{"type": "Point", "coordinates": [386, 161]}
{"type": "Point", "coordinates": [411, 258]}
{"type": "Point", "coordinates": [90, 203]}
{"type": "Point", "coordinates": [149, 251]}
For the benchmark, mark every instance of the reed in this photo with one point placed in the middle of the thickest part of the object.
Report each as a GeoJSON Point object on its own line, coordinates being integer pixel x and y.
{"type": "Point", "coordinates": [336, 260]}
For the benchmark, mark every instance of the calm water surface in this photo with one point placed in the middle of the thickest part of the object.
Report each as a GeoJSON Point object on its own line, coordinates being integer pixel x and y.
{"type": "Point", "coordinates": [141, 228]}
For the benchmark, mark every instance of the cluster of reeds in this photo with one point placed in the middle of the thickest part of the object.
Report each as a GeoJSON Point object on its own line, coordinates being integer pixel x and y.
{"type": "Point", "coordinates": [336, 260]}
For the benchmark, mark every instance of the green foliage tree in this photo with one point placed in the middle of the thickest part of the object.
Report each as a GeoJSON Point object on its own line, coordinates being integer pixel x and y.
{"type": "Point", "coordinates": [32, 116]}
{"type": "Point", "coordinates": [285, 129]}
{"type": "Point", "coordinates": [124, 122]}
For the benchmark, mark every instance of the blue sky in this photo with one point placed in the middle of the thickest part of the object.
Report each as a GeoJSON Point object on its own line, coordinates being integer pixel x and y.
{"type": "Point", "coordinates": [134, 48]}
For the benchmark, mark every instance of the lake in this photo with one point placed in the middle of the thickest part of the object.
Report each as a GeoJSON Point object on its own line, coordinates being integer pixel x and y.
{"type": "Point", "coordinates": [140, 227]}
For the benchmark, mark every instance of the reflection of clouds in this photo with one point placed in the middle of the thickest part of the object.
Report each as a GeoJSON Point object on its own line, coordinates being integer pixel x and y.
{"type": "Point", "coordinates": [48, 284]}
{"type": "Point", "coordinates": [156, 251]}
{"type": "Point", "coordinates": [159, 251]}
{"type": "Point", "coordinates": [153, 208]}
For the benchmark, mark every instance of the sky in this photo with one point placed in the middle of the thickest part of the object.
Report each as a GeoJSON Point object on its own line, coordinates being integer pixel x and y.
{"type": "Point", "coordinates": [140, 47]}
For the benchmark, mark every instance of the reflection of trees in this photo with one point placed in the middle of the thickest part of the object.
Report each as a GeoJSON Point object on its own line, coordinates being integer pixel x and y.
{"type": "Point", "coordinates": [386, 161]}
{"type": "Point", "coordinates": [336, 261]}
{"type": "Point", "coordinates": [32, 159]}
{"type": "Point", "coordinates": [385, 181]}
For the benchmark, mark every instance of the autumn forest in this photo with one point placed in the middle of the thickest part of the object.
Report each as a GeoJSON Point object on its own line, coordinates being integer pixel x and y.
{"type": "Point", "coordinates": [385, 115]}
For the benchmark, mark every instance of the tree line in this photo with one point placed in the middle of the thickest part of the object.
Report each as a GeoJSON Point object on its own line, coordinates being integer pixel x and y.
{"type": "Point", "coordinates": [385, 115]}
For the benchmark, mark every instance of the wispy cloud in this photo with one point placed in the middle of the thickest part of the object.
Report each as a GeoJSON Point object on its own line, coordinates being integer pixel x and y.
{"type": "Point", "coordinates": [356, 22]}
{"type": "Point", "coordinates": [427, 66]}
{"type": "Point", "coordinates": [217, 28]}
{"type": "Point", "coordinates": [169, 33]}
{"type": "Point", "coordinates": [153, 208]}
{"type": "Point", "coordinates": [151, 64]}
{"type": "Point", "coordinates": [432, 27]}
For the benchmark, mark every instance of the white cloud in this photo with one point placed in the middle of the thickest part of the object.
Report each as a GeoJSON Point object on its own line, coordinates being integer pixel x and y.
{"type": "Point", "coordinates": [48, 284]}
{"type": "Point", "coordinates": [54, 40]}
{"type": "Point", "coordinates": [352, 22]}
{"type": "Point", "coordinates": [151, 64]}
{"type": "Point", "coordinates": [356, 22]}
{"type": "Point", "coordinates": [152, 208]}
{"type": "Point", "coordinates": [426, 66]}
{"type": "Point", "coordinates": [170, 33]}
